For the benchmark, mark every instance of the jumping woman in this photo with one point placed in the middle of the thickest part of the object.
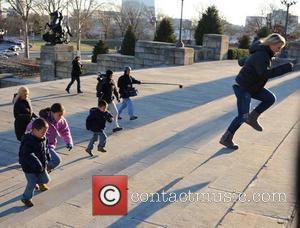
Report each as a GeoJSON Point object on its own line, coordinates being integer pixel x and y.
{"type": "Point", "coordinates": [250, 83]}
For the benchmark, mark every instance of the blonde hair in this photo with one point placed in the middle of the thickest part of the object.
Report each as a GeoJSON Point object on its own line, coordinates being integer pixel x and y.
{"type": "Point", "coordinates": [21, 93]}
{"type": "Point", "coordinates": [273, 38]}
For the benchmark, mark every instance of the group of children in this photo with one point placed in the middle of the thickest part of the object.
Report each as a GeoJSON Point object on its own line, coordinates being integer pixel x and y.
{"type": "Point", "coordinates": [38, 138]}
{"type": "Point", "coordinates": [37, 154]}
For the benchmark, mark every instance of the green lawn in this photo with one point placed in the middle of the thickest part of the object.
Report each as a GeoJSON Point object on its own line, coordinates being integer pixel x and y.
{"type": "Point", "coordinates": [86, 45]}
{"type": "Point", "coordinates": [36, 45]}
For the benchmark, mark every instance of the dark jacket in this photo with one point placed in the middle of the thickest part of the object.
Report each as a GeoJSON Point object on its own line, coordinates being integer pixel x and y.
{"type": "Point", "coordinates": [256, 70]}
{"type": "Point", "coordinates": [33, 154]}
{"type": "Point", "coordinates": [107, 90]}
{"type": "Point", "coordinates": [23, 114]}
{"type": "Point", "coordinates": [125, 84]}
{"type": "Point", "coordinates": [76, 68]}
{"type": "Point", "coordinates": [97, 119]}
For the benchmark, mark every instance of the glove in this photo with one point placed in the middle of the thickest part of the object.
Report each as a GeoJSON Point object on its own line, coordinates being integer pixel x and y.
{"type": "Point", "coordinates": [34, 116]}
{"type": "Point", "coordinates": [69, 146]}
{"type": "Point", "coordinates": [41, 169]}
{"type": "Point", "coordinates": [288, 67]}
{"type": "Point", "coordinates": [242, 61]}
{"type": "Point", "coordinates": [292, 65]}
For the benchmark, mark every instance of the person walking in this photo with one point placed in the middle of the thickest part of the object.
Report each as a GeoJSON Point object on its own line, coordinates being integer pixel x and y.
{"type": "Point", "coordinates": [95, 123]}
{"type": "Point", "coordinates": [250, 83]}
{"type": "Point", "coordinates": [126, 90]}
{"type": "Point", "coordinates": [75, 74]}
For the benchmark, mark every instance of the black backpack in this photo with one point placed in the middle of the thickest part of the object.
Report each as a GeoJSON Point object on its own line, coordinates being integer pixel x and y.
{"type": "Point", "coordinates": [101, 81]}
{"type": "Point", "coordinates": [90, 120]}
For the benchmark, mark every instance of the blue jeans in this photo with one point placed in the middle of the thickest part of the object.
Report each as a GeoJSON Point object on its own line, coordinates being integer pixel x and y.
{"type": "Point", "coordinates": [126, 103]}
{"type": "Point", "coordinates": [102, 140]}
{"type": "Point", "coordinates": [55, 159]}
{"type": "Point", "coordinates": [266, 97]}
{"type": "Point", "coordinates": [32, 180]}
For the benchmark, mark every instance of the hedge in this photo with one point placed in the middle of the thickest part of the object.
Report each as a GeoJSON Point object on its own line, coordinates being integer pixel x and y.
{"type": "Point", "coordinates": [237, 53]}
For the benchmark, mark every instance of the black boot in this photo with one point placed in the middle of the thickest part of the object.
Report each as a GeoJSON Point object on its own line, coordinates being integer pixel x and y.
{"type": "Point", "coordinates": [252, 121]}
{"type": "Point", "coordinates": [226, 140]}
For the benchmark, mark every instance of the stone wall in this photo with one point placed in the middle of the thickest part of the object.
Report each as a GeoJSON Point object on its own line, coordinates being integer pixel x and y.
{"type": "Point", "coordinates": [218, 46]}
{"type": "Point", "coordinates": [55, 61]}
{"type": "Point", "coordinates": [63, 69]}
{"type": "Point", "coordinates": [115, 62]}
{"type": "Point", "coordinates": [294, 50]}
{"type": "Point", "coordinates": [16, 81]}
{"type": "Point", "coordinates": [151, 54]}
{"type": "Point", "coordinates": [147, 54]}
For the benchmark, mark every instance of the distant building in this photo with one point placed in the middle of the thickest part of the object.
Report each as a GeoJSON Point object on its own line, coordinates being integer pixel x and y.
{"type": "Point", "coordinates": [148, 16]}
{"type": "Point", "coordinates": [10, 12]}
{"type": "Point", "coordinates": [0, 9]}
{"type": "Point", "coordinates": [187, 32]}
{"type": "Point", "coordinates": [254, 23]}
{"type": "Point", "coordinates": [278, 18]}
{"type": "Point", "coordinates": [105, 28]}
{"type": "Point", "coordinates": [274, 20]}
{"type": "Point", "coordinates": [147, 3]}
{"type": "Point", "coordinates": [234, 32]}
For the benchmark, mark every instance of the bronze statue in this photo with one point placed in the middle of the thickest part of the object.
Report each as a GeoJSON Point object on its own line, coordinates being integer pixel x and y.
{"type": "Point", "coordinates": [56, 32]}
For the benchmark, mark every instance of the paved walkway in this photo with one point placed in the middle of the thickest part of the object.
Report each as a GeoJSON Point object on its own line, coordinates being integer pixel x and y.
{"type": "Point", "coordinates": [172, 147]}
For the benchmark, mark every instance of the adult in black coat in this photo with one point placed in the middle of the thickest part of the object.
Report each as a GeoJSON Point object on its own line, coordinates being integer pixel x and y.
{"type": "Point", "coordinates": [107, 91]}
{"type": "Point", "coordinates": [75, 74]}
{"type": "Point", "coordinates": [22, 111]}
{"type": "Point", "coordinates": [250, 83]}
{"type": "Point", "coordinates": [126, 90]}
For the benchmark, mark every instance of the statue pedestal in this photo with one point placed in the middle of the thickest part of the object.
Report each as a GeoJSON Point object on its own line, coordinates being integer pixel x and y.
{"type": "Point", "coordinates": [51, 57]}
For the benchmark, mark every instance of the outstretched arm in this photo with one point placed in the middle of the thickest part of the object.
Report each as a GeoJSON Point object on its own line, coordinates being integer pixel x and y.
{"type": "Point", "coordinates": [262, 67]}
{"type": "Point", "coordinates": [280, 70]}
{"type": "Point", "coordinates": [134, 81]}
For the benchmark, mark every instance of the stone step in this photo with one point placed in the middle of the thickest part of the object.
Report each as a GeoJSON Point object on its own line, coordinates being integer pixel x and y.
{"type": "Point", "coordinates": [189, 143]}
{"type": "Point", "coordinates": [132, 170]}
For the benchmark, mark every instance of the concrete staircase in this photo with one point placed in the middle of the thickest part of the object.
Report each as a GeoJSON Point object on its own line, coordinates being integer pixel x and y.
{"type": "Point", "coordinates": [172, 147]}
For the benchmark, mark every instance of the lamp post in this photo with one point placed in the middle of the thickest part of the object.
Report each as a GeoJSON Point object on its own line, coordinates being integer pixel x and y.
{"type": "Point", "coordinates": [179, 42]}
{"type": "Point", "coordinates": [288, 4]}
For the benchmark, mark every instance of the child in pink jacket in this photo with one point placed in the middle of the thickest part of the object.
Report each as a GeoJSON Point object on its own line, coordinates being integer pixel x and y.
{"type": "Point", "coordinates": [58, 126]}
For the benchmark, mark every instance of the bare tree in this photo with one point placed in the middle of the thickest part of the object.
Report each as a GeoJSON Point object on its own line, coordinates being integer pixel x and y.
{"type": "Point", "coordinates": [120, 18]}
{"type": "Point", "coordinates": [254, 24]}
{"type": "Point", "coordinates": [50, 6]}
{"type": "Point", "coordinates": [12, 24]}
{"type": "Point", "coordinates": [106, 20]}
{"type": "Point", "coordinates": [81, 11]}
{"type": "Point", "coordinates": [139, 16]}
{"type": "Point", "coordinates": [23, 9]}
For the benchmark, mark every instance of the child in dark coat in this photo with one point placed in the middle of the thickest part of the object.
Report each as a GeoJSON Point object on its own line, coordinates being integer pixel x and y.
{"type": "Point", "coordinates": [33, 157]}
{"type": "Point", "coordinates": [96, 123]}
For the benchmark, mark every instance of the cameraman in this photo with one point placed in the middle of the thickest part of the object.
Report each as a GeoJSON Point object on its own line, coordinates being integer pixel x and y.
{"type": "Point", "coordinates": [126, 91]}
